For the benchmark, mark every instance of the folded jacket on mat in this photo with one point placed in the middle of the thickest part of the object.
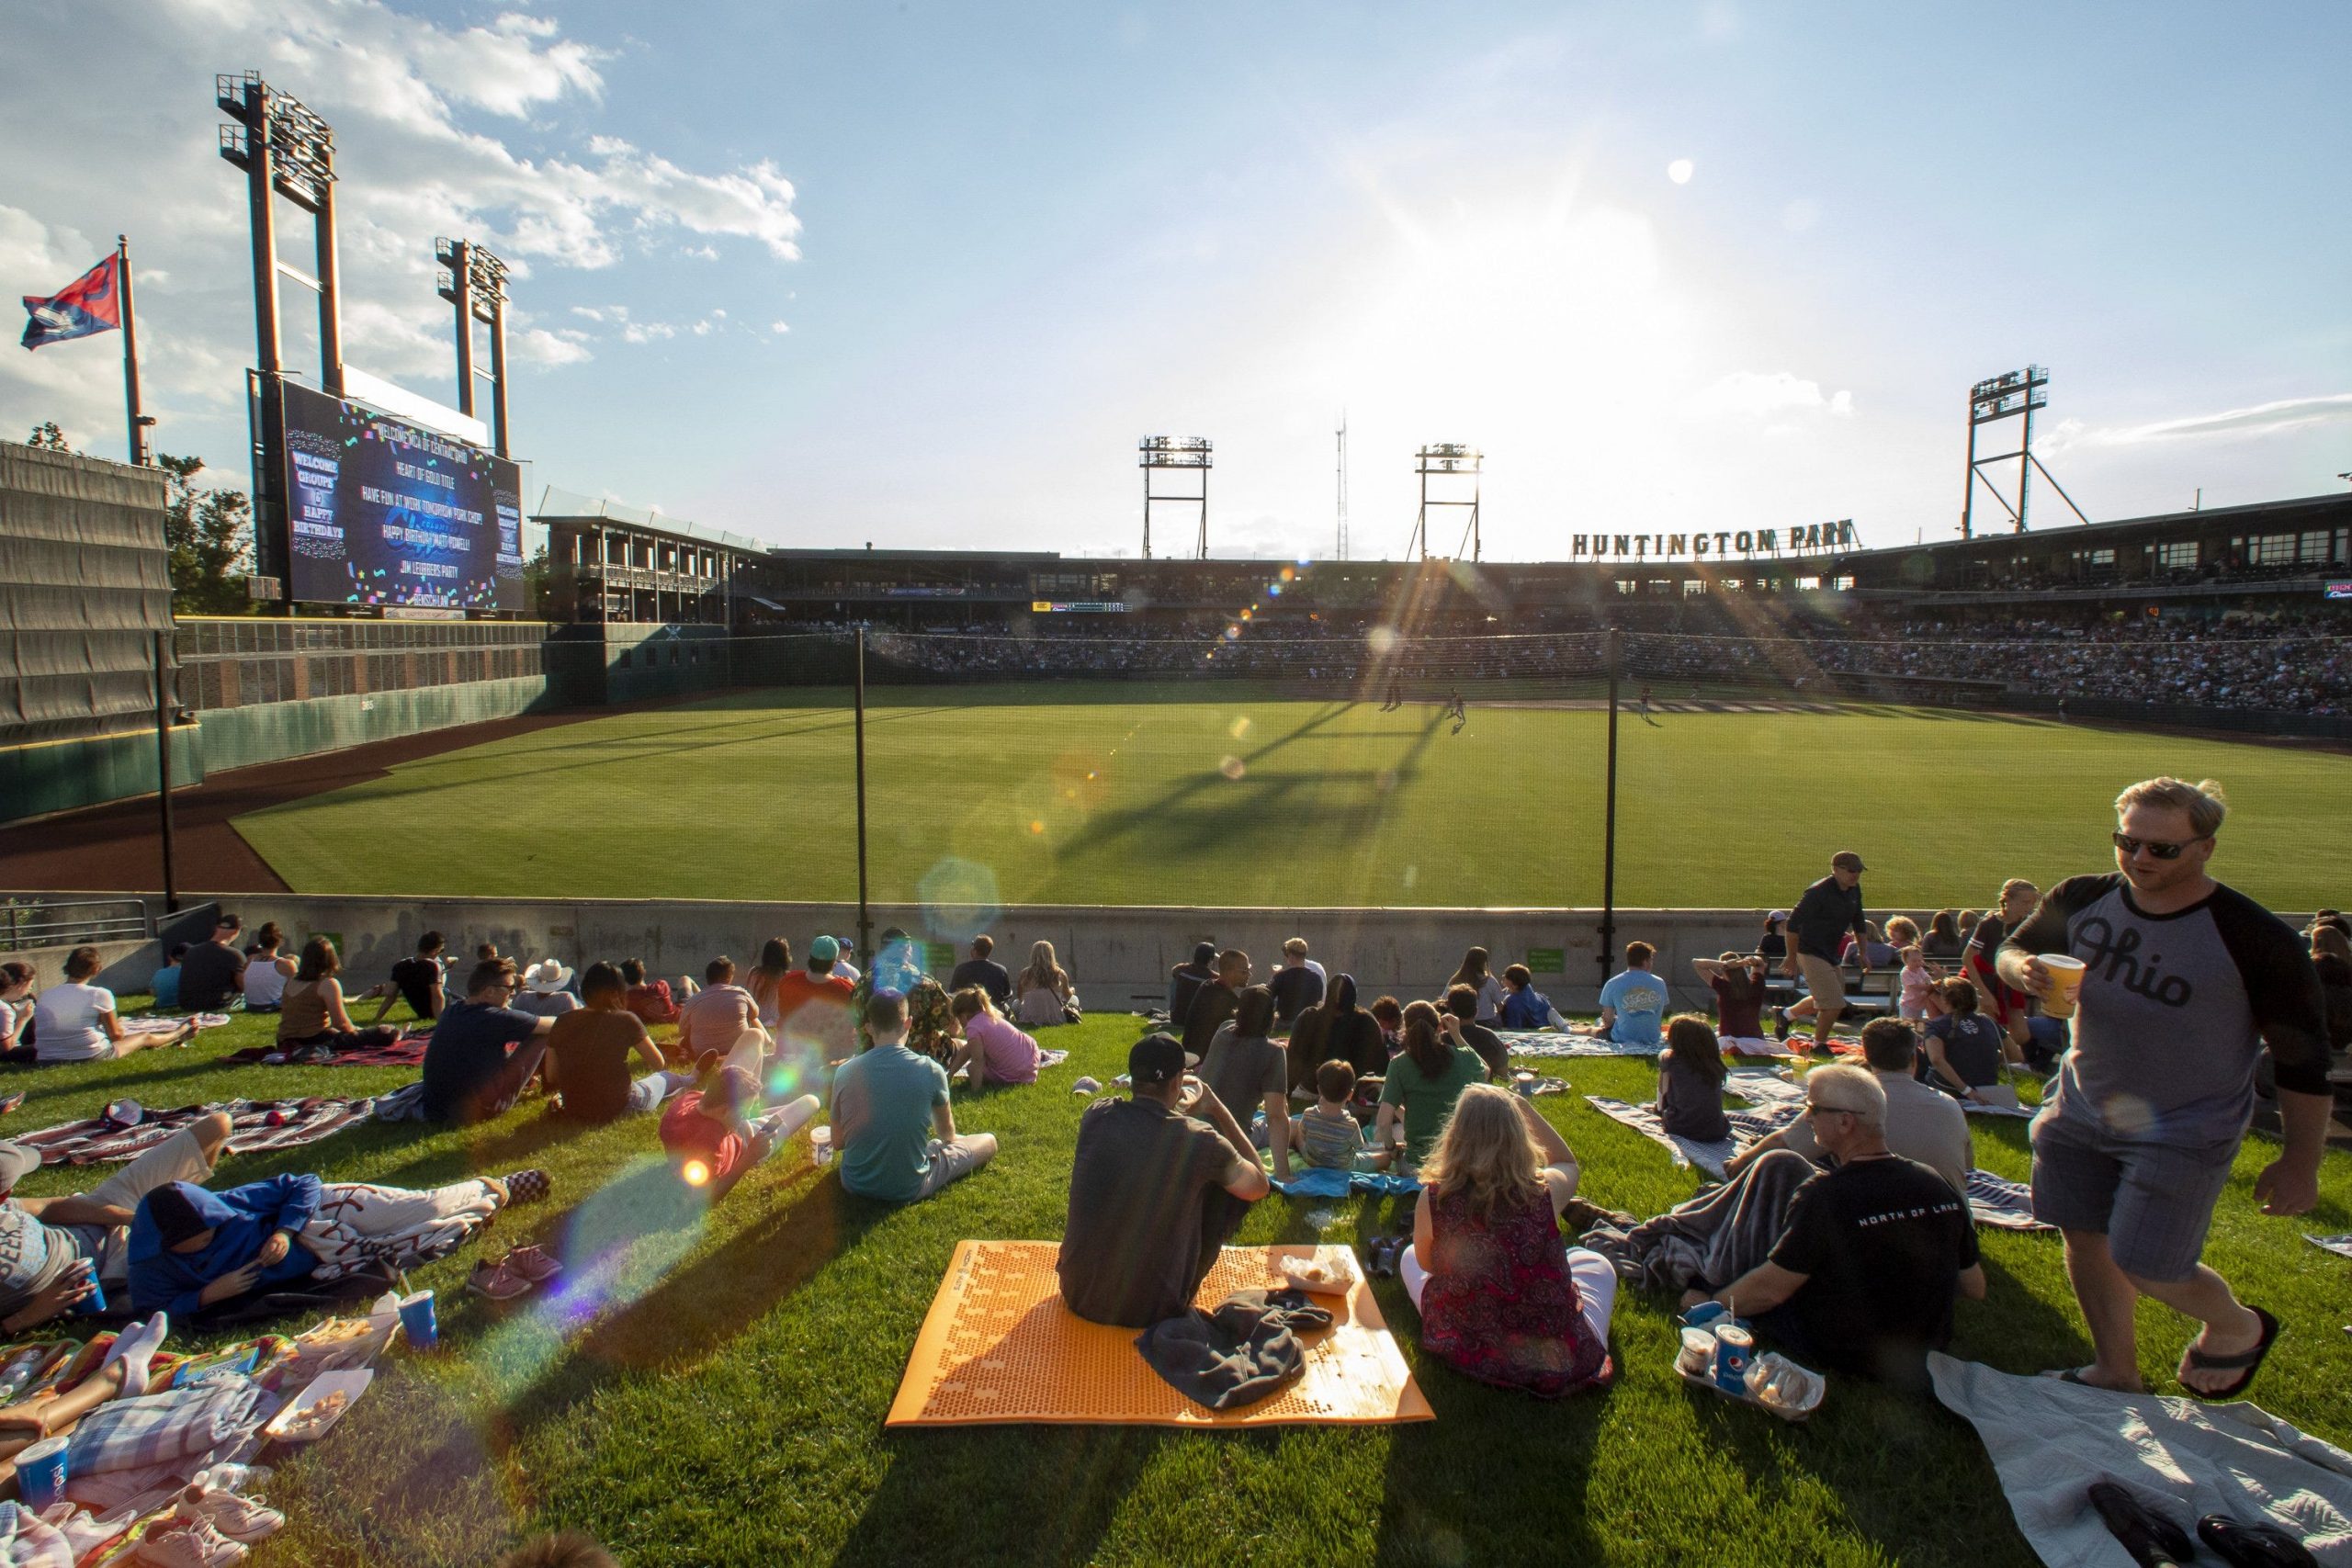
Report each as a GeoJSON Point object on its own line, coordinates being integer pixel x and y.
{"type": "Point", "coordinates": [1244, 1349]}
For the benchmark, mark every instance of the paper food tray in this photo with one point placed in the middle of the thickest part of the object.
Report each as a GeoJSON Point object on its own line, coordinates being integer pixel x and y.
{"type": "Point", "coordinates": [288, 1426]}
{"type": "Point", "coordinates": [1346, 1274]}
{"type": "Point", "coordinates": [1707, 1381]}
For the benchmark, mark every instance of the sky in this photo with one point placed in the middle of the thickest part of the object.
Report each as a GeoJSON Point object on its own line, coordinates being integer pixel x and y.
{"type": "Point", "coordinates": [921, 275]}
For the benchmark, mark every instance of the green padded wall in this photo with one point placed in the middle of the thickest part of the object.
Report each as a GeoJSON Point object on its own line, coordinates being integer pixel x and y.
{"type": "Point", "coordinates": [270, 732]}
{"type": "Point", "coordinates": [45, 776]}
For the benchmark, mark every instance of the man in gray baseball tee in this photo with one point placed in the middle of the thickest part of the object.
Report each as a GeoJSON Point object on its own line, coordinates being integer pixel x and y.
{"type": "Point", "coordinates": [2184, 980]}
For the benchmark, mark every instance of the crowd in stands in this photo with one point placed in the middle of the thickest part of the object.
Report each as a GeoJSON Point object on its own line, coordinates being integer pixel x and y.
{"type": "Point", "coordinates": [2291, 660]}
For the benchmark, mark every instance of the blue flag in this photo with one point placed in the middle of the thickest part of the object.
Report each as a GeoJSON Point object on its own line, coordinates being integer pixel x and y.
{"type": "Point", "coordinates": [91, 303]}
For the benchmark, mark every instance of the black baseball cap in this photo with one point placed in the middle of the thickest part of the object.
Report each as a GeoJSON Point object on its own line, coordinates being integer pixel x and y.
{"type": "Point", "coordinates": [1157, 1058]}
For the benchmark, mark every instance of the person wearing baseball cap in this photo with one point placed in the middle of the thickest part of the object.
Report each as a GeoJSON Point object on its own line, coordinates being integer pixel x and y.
{"type": "Point", "coordinates": [812, 1011]}
{"type": "Point", "coordinates": [45, 1242]}
{"type": "Point", "coordinates": [1159, 1182]}
{"type": "Point", "coordinates": [1817, 928]}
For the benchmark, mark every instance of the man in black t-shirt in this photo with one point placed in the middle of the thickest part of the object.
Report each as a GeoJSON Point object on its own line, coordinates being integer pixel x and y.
{"type": "Point", "coordinates": [1818, 927]}
{"type": "Point", "coordinates": [1872, 1253]}
{"type": "Point", "coordinates": [213, 973]}
{"type": "Point", "coordinates": [1154, 1192]}
{"type": "Point", "coordinates": [470, 1074]}
{"type": "Point", "coordinates": [1462, 1004]}
{"type": "Point", "coordinates": [1184, 982]}
{"type": "Point", "coordinates": [419, 980]}
{"type": "Point", "coordinates": [983, 971]}
{"type": "Point", "coordinates": [1215, 1002]}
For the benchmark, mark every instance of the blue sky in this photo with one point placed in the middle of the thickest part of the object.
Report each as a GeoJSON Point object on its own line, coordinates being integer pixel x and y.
{"type": "Point", "coordinates": [921, 273]}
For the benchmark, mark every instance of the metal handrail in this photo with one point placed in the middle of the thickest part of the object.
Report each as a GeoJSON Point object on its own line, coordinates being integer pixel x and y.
{"type": "Point", "coordinates": [33, 921]}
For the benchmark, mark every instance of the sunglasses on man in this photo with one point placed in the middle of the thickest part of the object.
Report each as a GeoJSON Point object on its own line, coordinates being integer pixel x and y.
{"type": "Point", "coordinates": [2128, 845]}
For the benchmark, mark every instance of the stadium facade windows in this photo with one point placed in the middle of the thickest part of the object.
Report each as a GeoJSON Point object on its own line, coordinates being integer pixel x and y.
{"type": "Point", "coordinates": [2271, 549]}
{"type": "Point", "coordinates": [2177, 554]}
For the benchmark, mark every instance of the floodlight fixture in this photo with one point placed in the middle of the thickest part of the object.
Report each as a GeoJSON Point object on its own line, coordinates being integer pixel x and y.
{"type": "Point", "coordinates": [1453, 461]}
{"type": "Point", "coordinates": [474, 281]}
{"type": "Point", "coordinates": [1157, 453]}
{"type": "Point", "coordinates": [2013, 394]}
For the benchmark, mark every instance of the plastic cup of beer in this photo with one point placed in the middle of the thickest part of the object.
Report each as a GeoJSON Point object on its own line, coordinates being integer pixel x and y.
{"type": "Point", "coordinates": [2066, 984]}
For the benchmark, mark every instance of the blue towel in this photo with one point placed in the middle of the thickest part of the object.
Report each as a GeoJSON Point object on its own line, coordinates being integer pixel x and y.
{"type": "Point", "coordinates": [1327, 1181]}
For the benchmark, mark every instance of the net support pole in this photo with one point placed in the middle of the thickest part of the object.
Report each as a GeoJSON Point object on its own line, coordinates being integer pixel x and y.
{"type": "Point", "coordinates": [857, 690]}
{"type": "Point", "coordinates": [164, 766]}
{"type": "Point", "coordinates": [1609, 812]}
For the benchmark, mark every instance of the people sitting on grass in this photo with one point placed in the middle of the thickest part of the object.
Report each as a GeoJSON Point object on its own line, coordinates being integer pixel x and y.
{"type": "Point", "coordinates": [587, 1066]}
{"type": "Point", "coordinates": [767, 975]}
{"type": "Point", "coordinates": [712, 1018]}
{"type": "Point", "coordinates": [1691, 1075]}
{"type": "Point", "coordinates": [1738, 982]}
{"type": "Point", "coordinates": [1327, 1134]}
{"type": "Point", "coordinates": [45, 1242]}
{"type": "Point", "coordinates": [1501, 1299]}
{"type": "Point", "coordinates": [1475, 971]}
{"type": "Point", "coordinates": [311, 1015]}
{"type": "Point", "coordinates": [1247, 1069]}
{"type": "Point", "coordinates": [1214, 1003]}
{"type": "Point", "coordinates": [1869, 947]}
{"type": "Point", "coordinates": [812, 1008]}
{"type": "Point", "coordinates": [213, 973]}
{"type": "Point", "coordinates": [1634, 1001]}
{"type": "Point", "coordinates": [1184, 982]}
{"type": "Point", "coordinates": [652, 1001]}
{"type": "Point", "coordinates": [1424, 1080]}
{"type": "Point", "coordinates": [717, 1132]}
{"type": "Point", "coordinates": [1159, 1182]}
{"type": "Point", "coordinates": [1390, 1014]}
{"type": "Point", "coordinates": [2332, 956]}
{"type": "Point", "coordinates": [1869, 1255]}
{"type": "Point", "coordinates": [1462, 1006]}
{"type": "Point", "coordinates": [1524, 1006]}
{"type": "Point", "coordinates": [1773, 945]}
{"type": "Point", "coordinates": [164, 984]}
{"type": "Point", "coordinates": [1964, 1049]}
{"type": "Point", "coordinates": [17, 1004]}
{"type": "Point", "coordinates": [2003, 1003]}
{"type": "Point", "coordinates": [995, 1050]}
{"type": "Point", "coordinates": [76, 1022]}
{"type": "Point", "coordinates": [898, 966]}
{"type": "Point", "coordinates": [1043, 994]}
{"type": "Point", "coordinates": [984, 972]}
{"type": "Point", "coordinates": [1921, 1124]}
{"type": "Point", "coordinates": [547, 989]}
{"type": "Point", "coordinates": [483, 1051]}
{"type": "Point", "coordinates": [194, 1251]}
{"type": "Point", "coordinates": [1940, 943]}
{"type": "Point", "coordinates": [844, 956]}
{"type": "Point", "coordinates": [266, 969]}
{"type": "Point", "coordinates": [418, 980]}
{"type": "Point", "coordinates": [1335, 1029]}
{"type": "Point", "coordinates": [892, 1121]}
{"type": "Point", "coordinates": [1297, 986]}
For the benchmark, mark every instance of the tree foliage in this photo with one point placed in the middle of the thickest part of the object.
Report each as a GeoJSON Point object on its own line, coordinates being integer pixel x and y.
{"type": "Point", "coordinates": [209, 532]}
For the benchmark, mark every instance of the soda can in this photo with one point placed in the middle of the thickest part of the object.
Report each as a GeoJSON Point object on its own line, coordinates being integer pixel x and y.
{"type": "Point", "coordinates": [1734, 1348]}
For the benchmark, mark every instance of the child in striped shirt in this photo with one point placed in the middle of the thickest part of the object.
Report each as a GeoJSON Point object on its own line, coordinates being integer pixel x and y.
{"type": "Point", "coordinates": [1329, 1136]}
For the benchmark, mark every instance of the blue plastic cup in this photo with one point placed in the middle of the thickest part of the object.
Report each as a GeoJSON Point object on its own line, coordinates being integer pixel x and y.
{"type": "Point", "coordinates": [40, 1473]}
{"type": "Point", "coordinates": [418, 1321]}
{"type": "Point", "coordinates": [97, 1299]}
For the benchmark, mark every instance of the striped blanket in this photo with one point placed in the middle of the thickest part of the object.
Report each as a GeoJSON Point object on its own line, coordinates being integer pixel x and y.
{"type": "Point", "coordinates": [130, 1130]}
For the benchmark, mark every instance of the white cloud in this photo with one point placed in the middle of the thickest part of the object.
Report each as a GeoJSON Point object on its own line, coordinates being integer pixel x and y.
{"type": "Point", "coordinates": [1747, 394]}
{"type": "Point", "coordinates": [538, 345]}
{"type": "Point", "coordinates": [779, 328]}
{"type": "Point", "coordinates": [646, 331]}
{"type": "Point", "coordinates": [2261, 419]}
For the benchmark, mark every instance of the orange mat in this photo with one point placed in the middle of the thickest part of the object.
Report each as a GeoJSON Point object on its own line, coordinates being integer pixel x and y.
{"type": "Point", "coordinates": [998, 1347]}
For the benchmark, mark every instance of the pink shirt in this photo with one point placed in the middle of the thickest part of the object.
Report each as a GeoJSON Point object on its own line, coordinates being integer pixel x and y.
{"type": "Point", "coordinates": [1914, 992]}
{"type": "Point", "coordinates": [1011, 1057]}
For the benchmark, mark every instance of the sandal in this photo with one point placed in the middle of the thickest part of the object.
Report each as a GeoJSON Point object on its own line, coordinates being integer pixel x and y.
{"type": "Point", "coordinates": [2152, 1540]}
{"type": "Point", "coordinates": [2253, 1546]}
{"type": "Point", "coordinates": [2249, 1360]}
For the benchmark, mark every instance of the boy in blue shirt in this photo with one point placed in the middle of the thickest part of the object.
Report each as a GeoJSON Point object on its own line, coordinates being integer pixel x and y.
{"type": "Point", "coordinates": [167, 983]}
{"type": "Point", "coordinates": [1633, 1000]}
{"type": "Point", "coordinates": [1524, 1006]}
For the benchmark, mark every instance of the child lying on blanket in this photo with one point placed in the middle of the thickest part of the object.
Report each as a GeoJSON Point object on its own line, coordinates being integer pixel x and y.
{"type": "Point", "coordinates": [1328, 1137]}
{"type": "Point", "coordinates": [191, 1249]}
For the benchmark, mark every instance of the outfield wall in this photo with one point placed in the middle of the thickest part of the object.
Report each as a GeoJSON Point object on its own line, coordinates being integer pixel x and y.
{"type": "Point", "coordinates": [1119, 957]}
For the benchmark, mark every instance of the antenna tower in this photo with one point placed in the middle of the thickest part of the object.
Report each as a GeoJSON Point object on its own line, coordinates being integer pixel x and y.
{"type": "Point", "coordinates": [1343, 485]}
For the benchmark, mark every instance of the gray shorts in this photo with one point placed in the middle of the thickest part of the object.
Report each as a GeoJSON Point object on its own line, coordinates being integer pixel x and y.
{"type": "Point", "coordinates": [949, 1162]}
{"type": "Point", "coordinates": [2152, 1202]}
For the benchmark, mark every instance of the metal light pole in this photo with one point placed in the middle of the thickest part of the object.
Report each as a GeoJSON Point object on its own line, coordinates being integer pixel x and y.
{"type": "Point", "coordinates": [865, 921]}
{"type": "Point", "coordinates": [1608, 813]}
{"type": "Point", "coordinates": [163, 765]}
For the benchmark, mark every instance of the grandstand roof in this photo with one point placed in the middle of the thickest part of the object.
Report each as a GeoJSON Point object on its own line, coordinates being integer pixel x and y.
{"type": "Point", "coordinates": [2298, 512]}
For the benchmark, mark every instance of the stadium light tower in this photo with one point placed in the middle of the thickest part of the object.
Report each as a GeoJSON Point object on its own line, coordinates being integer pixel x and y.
{"type": "Point", "coordinates": [1157, 453]}
{"type": "Point", "coordinates": [286, 149]}
{"type": "Point", "coordinates": [1447, 460]}
{"type": "Point", "coordinates": [2011, 395]}
{"type": "Point", "coordinates": [476, 285]}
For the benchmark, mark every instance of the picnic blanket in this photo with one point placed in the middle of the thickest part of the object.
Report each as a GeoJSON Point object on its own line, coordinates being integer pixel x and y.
{"type": "Point", "coordinates": [998, 1347]}
{"type": "Point", "coordinates": [1330, 1182]}
{"type": "Point", "coordinates": [405, 1052]}
{"type": "Point", "coordinates": [2048, 1440]}
{"type": "Point", "coordinates": [130, 1130]}
{"type": "Point", "coordinates": [157, 1429]}
{"type": "Point", "coordinates": [1993, 1200]}
{"type": "Point", "coordinates": [157, 1023]}
{"type": "Point", "coordinates": [1545, 1043]}
{"type": "Point", "coordinates": [2339, 1245]}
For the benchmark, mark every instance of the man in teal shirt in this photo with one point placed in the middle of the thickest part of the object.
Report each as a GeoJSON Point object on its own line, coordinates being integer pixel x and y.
{"type": "Point", "coordinates": [891, 1119]}
{"type": "Point", "coordinates": [1632, 1001]}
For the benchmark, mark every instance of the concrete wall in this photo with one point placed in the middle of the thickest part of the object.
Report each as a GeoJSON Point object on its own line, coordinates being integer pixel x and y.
{"type": "Point", "coordinates": [270, 732]}
{"type": "Point", "coordinates": [1116, 954]}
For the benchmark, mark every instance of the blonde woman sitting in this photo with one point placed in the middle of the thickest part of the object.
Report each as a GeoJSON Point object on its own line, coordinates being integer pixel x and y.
{"type": "Point", "coordinates": [1042, 993]}
{"type": "Point", "coordinates": [1501, 1299]}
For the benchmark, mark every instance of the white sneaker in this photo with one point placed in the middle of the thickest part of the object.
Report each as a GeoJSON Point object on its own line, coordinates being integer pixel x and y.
{"type": "Point", "coordinates": [183, 1542]}
{"type": "Point", "coordinates": [246, 1519]}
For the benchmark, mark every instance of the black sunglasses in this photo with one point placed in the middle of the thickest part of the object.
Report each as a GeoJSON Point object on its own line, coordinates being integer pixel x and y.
{"type": "Point", "coordinates": [2132, 846]}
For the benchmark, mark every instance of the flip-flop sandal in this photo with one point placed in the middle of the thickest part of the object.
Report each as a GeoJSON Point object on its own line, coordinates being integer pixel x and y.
{"type": "Point", "coordinates": [2250, 1360]}
{"type": "Point", "coordinates": [2151, 1539]}
{"type": "Point", "coordinates": [2253, 1546]}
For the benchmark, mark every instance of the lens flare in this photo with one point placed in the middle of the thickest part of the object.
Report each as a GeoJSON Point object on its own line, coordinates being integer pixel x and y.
{"type": "Point", "coordinates": [1240, 727]}
{"type": "Point", "coordinates": [697, 1174]}
{"type": "Point", "coordinates": [1382, 640]}
{"type": "Point", "coordinates": [1232, 768]}
{"type": "Point", "coordinates": [1680, 171]}
{"type": "Point", "coordinates": [1036, 826]}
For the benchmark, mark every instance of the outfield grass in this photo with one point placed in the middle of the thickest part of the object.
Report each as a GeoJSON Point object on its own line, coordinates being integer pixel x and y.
{"type": "Point", "coordinates": [710, 1388]}
{"type": "Point", "coordinates": [1092, 797]}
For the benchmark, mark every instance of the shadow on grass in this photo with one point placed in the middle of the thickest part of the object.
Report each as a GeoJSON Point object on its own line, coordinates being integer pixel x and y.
{"type": "Point", "coordinates": [1064, 1485]}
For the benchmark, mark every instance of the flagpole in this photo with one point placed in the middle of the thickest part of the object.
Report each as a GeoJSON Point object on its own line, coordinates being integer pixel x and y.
{"type": "Point", "coordinates": [129, 353]}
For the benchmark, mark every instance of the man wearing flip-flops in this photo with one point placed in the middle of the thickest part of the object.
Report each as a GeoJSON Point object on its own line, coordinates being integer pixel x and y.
{"type": "Point", "coordinates": [2183, 981]}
